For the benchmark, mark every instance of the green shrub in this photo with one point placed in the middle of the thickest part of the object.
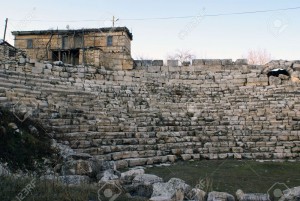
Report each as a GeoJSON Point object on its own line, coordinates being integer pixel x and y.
{"type": "Point", "coordinates": [19, 148]}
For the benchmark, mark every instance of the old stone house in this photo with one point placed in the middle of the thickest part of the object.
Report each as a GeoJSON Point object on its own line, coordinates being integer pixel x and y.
{"type": "Point", "coordinates": [108, 47]}
{"type": "Point", "coordinates": [6, 50]}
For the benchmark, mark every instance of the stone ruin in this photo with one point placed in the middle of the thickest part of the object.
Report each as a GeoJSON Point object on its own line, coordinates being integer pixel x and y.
{"type": "Point", "coordinates": [104, 120]}
{"type": "Point", "coordinates": [213, 109]}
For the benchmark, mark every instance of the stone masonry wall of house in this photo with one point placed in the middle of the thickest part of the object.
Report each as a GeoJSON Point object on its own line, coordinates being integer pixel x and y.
{"type": "Point", "coordinates": [213, 109]}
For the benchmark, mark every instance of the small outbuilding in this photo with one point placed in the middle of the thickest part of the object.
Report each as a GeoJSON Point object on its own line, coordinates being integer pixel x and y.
{"type": "Point", "coordinates": [6, 49]}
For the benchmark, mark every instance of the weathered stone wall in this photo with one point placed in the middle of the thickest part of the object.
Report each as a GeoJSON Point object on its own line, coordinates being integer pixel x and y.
{"type": "Point", "coordinates": [92, 46]}
{"type": "Point", "coordinates": [6, 51]}
{"type": "Point", "coordinates": [215, 109]}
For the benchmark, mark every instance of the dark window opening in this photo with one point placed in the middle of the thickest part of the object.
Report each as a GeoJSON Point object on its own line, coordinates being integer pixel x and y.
{"type": "Point", "coordinates": [65, 42]}
{"type": "Point", "coordinates": [11, 53]}
{"type": "Point", "coordinates": [68, 57]}
{"type": "Point", "coordinates": [109, 40]}
{"type": "Point", "coordinates": [277, 72]}
{"type": "Point", "coordinates": [29, 44]}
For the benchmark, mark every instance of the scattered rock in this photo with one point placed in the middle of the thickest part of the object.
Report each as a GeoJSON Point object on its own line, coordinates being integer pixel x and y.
{"type": "Point", "coordinates": [108, 175]}
{"type": "Point", "coordinates": [141, 190]}
{"type": "Point", "coordinates": [33, 130]}
{"type": "Point", "coordinates": [146, 179]}
{"type": "Point", "coordinates": [13, 126]}
{"type": "Point", "coordinates": [179, 195]}
{"type": "Point", "coordinates": [220, 196]}
{"type": "Point", "coordinates": [128, 176]}
{"type": "Point", "coordinates": [241, 196]}
{"type": "Point", "coordinates": [4, 170]}
{"type": "Point", "coordinates": [160, 198]}
{"type": "Point", "coordinates": [196, 195]}
{"type": "Point", "coordinates": [292, 194]}
{"type": "Point", "coordinates": [77, 167]}
{"type": "Point", "coordinates": [58, 63]}
{"type": "Point", "coordinates": [168, 189]}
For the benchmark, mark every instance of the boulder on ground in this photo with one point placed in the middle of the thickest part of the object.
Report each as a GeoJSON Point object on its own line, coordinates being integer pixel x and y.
{"type": "Point", "coordinates": [170, 188]}
{"type": "Point", "coordinates": [160, 198]}
{"type": "Point", "coordinates": [196, 194]}
{"type": "Point", "coordinates": [220, 196]}
{"type": "Point", "coordinates": [292, 194]}
{"type": "Point", "coordinates": [141, 190]}
{"type": "Point", "coordinates": [128, 176]}
{"type": "Point", "coordinates": [4, 170]}
{"type": "Point", "coordinates": [146, 179]}
{"type": "Point", "coordinates": [241, 196]}
{"type": "Point", "coordinates": [108, 175]}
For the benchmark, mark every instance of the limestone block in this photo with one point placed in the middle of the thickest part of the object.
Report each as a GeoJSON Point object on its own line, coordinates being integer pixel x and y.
{"type": "Point", "coordinates": [241, 196]}
{"type": "Point", "coordinates": [57, 68]}
{"type": "Point", "coordinates": [22, 60]}
{"type": "Point", "coordinates": [172, 63]}
{"type": "Point", "coordinates": [172, 158]}
{"type": "Point", "coordinates": [146, 179]}
{"type": "Point", "coordinates": [274, 80]}
{"type": "Point", "coordinates": [153, 69]}
{"type": "Point", "coordinates": [169, 189]}
{"type": "Point", "coordinates": [198, 62]}
{"type": "Point", "coordinates": [296, 67]}
{"type": "Point", "coordinates": [241, 62]}
{"type": "Point", "coordinates": [186, 157]}
{"type": "Point", "coordinates": [212, 62]}
{"type": "Point", "coordinates": [136, 162]}
{"type": "Point", "coordinates": [37, 70]}
{"type": "Point", "coordinates": [39, 65]}
{"type": "Point", "coordinates": [226, 62]}
{"type": "Point", "coordinates": [220, 196]}
{"type": "Point", "coordinates": [157, 63]}
{"type": "Point", "coordinates": [64, 74]}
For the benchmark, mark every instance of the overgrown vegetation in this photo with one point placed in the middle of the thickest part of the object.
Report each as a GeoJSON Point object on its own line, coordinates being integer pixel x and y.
{"type": "Point", "coordinates": [25, 147]}
{"type": "Point", "coordinates": [231, 175]}
{"type": "Point", "coordinates": [10, 189]}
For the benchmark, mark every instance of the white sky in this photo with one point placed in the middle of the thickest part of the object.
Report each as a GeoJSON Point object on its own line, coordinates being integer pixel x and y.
{"type": "Point", "coordinates": [229, 36]}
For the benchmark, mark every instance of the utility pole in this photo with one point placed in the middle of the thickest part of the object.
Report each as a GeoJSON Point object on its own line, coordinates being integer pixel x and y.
{"type": "Point", "coordinates": [5, 29]}
{"type": "Point", "coordinates": [113, 21]}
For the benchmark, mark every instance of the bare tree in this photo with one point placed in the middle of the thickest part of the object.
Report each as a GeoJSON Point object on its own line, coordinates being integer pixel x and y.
{"type": "Point", "coordinates": [258, 57]}
{"type": "Point", "coordinates": [183, 56]}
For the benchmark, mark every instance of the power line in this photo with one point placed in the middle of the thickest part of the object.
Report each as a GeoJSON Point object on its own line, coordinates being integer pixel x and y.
{"type": "Point", "coordinates": [174, 17]}
{"type": "Point", "coordinates": [217, 15]}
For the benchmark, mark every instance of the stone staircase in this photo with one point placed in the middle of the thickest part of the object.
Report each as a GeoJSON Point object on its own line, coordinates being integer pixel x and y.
{"type": "Point", "coordinates": [142, 117]}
